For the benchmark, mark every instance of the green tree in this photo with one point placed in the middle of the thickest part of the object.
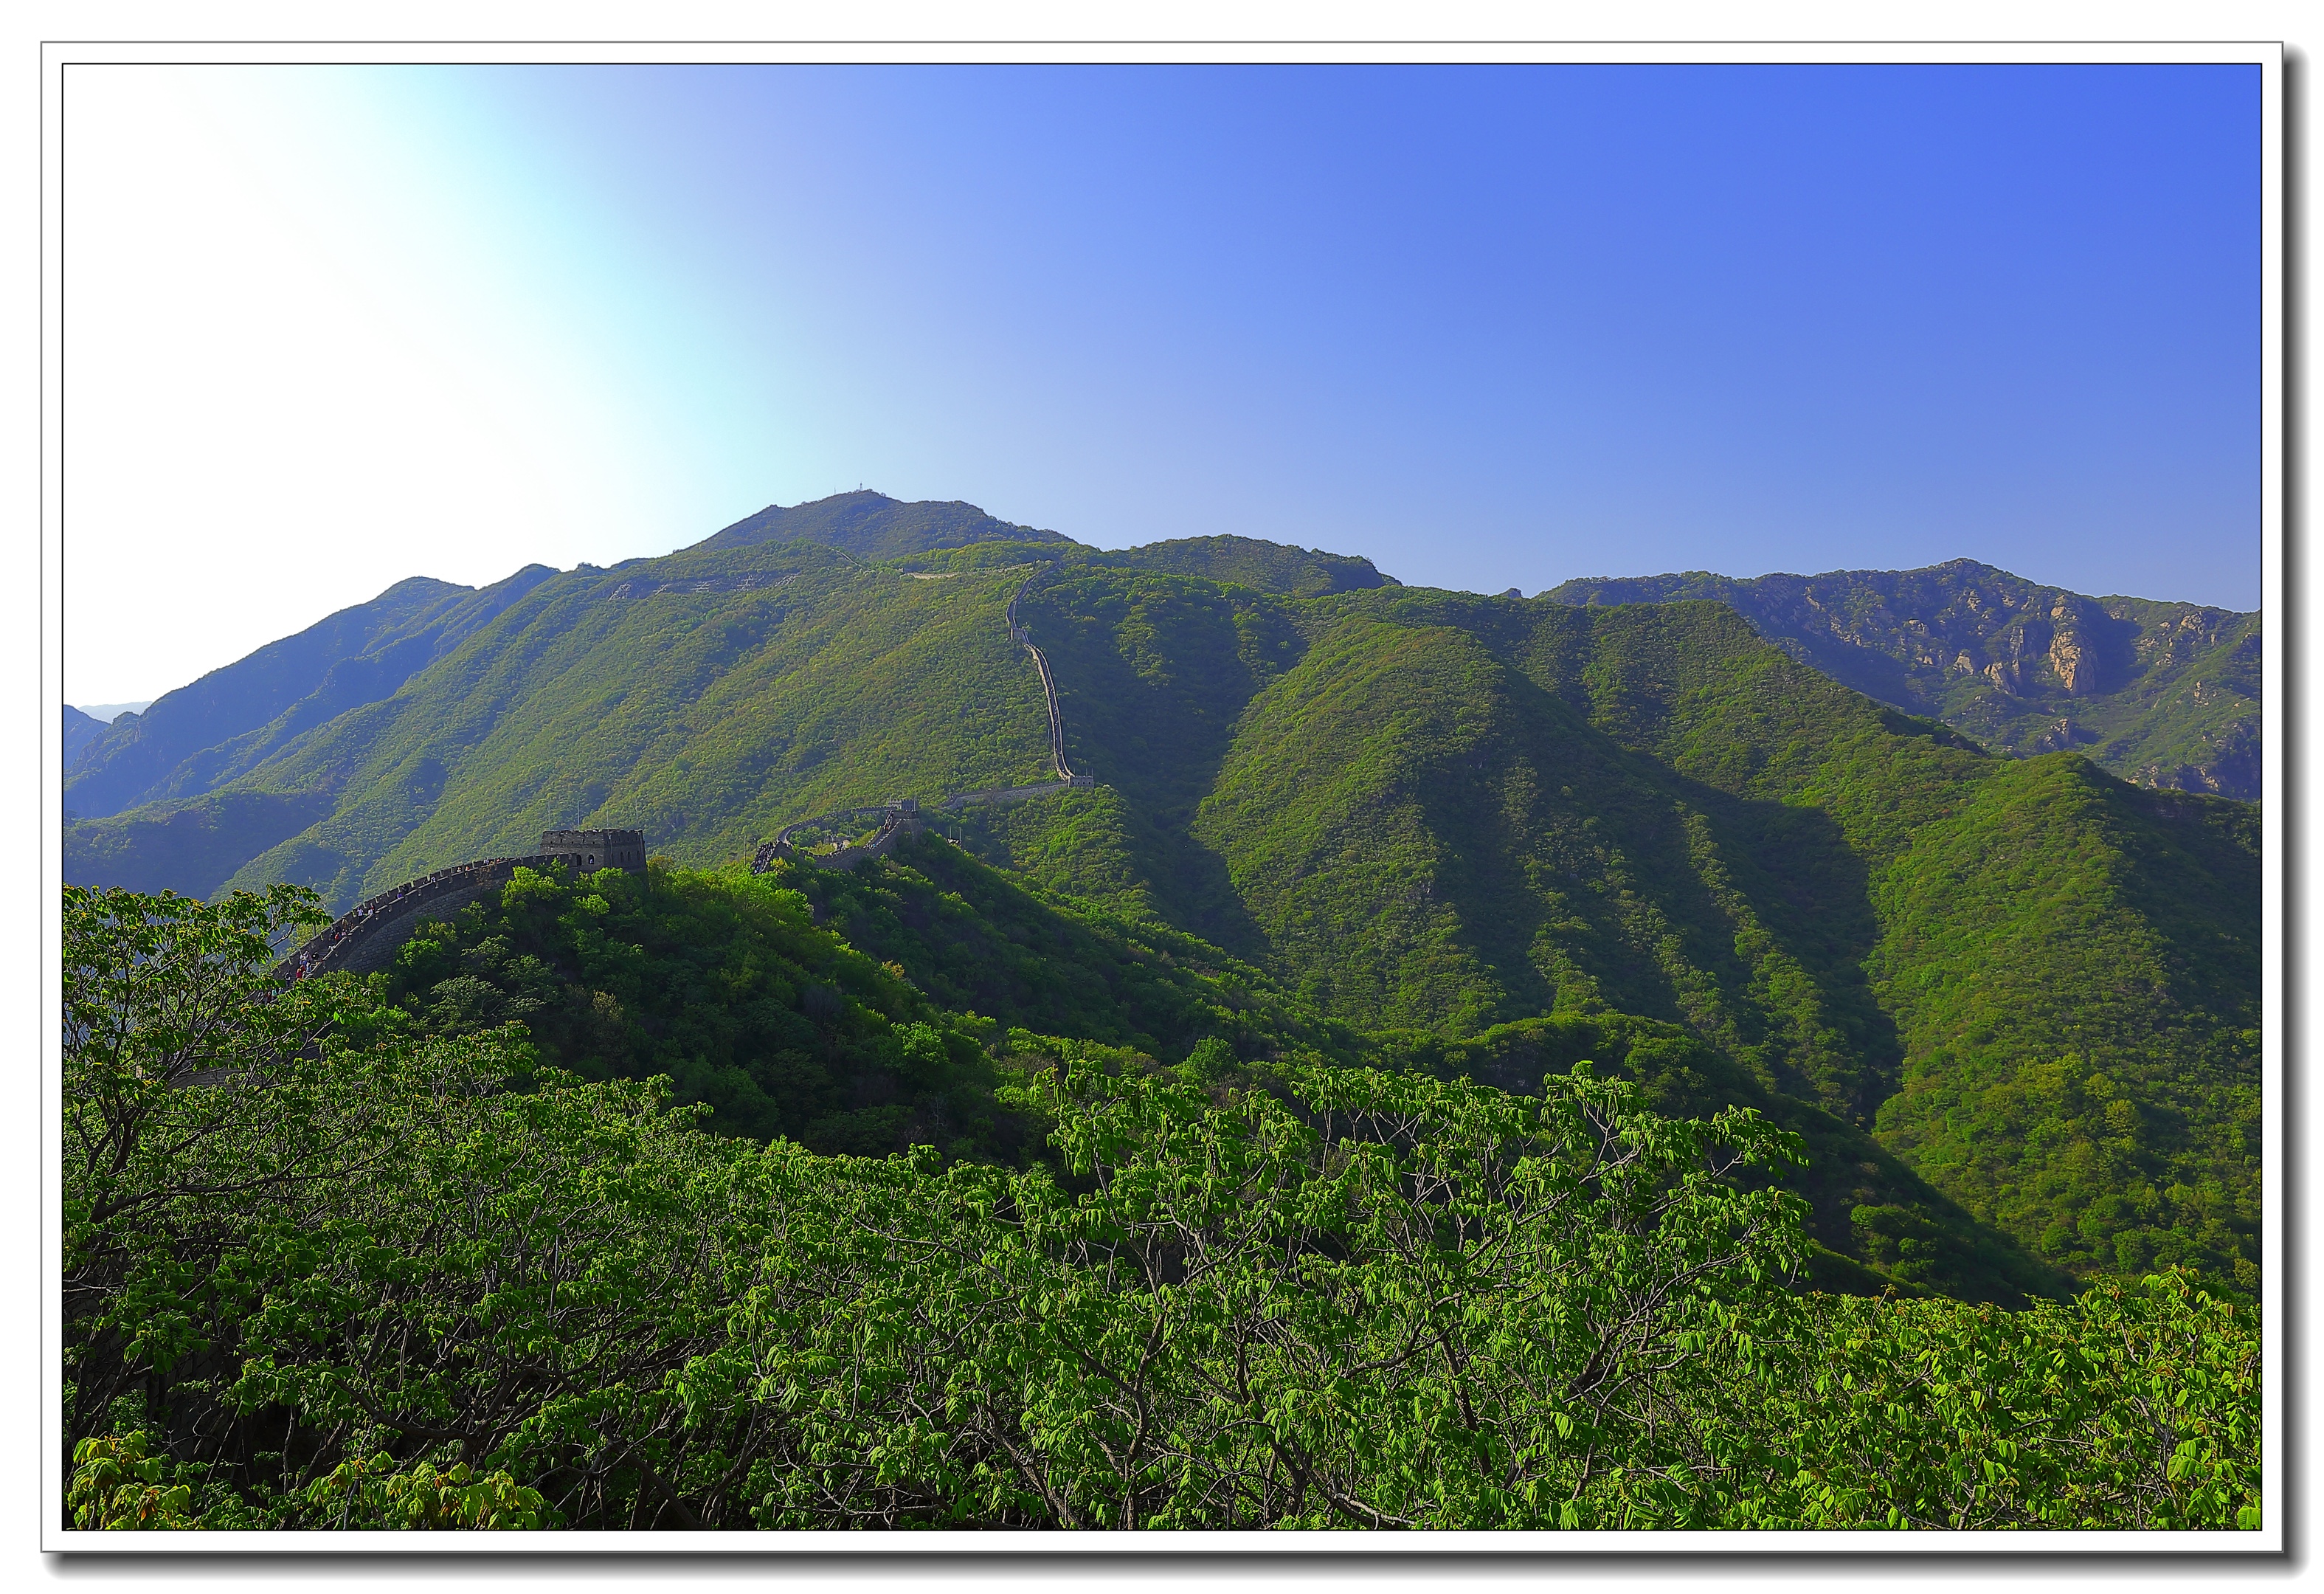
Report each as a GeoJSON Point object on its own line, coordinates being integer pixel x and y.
{"type": "Point", "coordinates": [324, 1270]}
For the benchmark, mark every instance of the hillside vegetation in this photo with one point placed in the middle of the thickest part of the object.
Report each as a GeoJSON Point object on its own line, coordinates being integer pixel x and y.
{"type": "Point", "coordinates": [2163, 694]}
{"type": "Point", "coordinates": [79, 731]}
{"type": "Point", "coordinates": [1246, 561]}
{"type": "Point", "coordinates": [1430, 809]}
{"type": "Point", "coordinates": [705, 697]}
{"type": "Point", "coordinates": [198, 738]}
{"type": "Point", "coordinates": [1378, 810]}
{"type": "Point", "coordinates": [323, 1269]}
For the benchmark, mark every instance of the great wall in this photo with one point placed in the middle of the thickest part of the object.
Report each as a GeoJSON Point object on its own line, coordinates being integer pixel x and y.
{"type": "Point", "coordinates": [368, 935]}
{"type": "Point", "coordinates": [900, 817]}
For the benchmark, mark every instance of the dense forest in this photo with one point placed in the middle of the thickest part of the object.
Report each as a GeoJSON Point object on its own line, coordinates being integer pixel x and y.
{"type": "Point", "coordinates": [338, 1261]}
{"type": "Point", "coordinates": [1468, 1062]}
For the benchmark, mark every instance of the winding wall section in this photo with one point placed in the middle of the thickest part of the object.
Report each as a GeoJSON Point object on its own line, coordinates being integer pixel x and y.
{"type": "Point", "coordinates": [368, 935]}
{"type": "Point", "coordinates": [903, 817]}
{"type": "Point", "coordinates": [1024, 637]}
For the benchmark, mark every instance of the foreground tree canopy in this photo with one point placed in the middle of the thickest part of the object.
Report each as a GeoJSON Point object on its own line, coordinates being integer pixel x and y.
{"type": "Point", "coordinates": [330, 1265]}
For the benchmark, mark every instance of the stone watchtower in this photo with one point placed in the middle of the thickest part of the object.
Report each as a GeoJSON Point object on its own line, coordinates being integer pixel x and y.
{"type": "Point", "coordinates": [587, 851]}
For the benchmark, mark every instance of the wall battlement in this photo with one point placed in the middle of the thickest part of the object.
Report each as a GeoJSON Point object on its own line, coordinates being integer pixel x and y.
{"type": "Point", "coordinates": [368, 935]}
{"type": "Point", "coordinates": [589, 851]}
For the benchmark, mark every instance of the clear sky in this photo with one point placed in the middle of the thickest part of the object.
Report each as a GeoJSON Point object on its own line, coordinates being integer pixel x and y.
{"type": "Point", "coordinates": [1492, 326]}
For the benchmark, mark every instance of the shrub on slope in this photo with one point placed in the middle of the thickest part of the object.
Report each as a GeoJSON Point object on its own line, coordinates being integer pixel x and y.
{"type": "Point", "coordinates": [723, 984]}
{"type": "Point", "coordinates": [1385, 1300]}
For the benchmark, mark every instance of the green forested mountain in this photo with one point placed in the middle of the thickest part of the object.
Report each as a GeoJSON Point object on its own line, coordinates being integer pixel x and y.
{"type": "Point", "coordinates": [872, 526]}
{"type": "Point", "coordinates": [776, 1001]}
{"type": "Point", "coordinates": [979, 940]}
{"type": "Point", "coordinates": [1246, 561]}
{"type": "Point", "coordinates": [2163, 694]}
{"type": "Point", "coordinates": [1433, 809]}
{"type": "Point", "coordinates": [1497, 828]}
{"type": "Point", "coordinates": [1467, 1062]}
{"type": "Point", "coordinates": [705, 697]}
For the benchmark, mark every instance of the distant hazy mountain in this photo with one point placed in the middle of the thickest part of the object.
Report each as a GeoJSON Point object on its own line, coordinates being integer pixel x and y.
{"type": "Point", "coordinates": [2164, 694]}
{"type": "Point", "coordinates": [80, 730]}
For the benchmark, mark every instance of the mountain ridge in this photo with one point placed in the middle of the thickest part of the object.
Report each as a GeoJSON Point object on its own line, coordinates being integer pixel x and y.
{"type": "Point", "coordinates": [1412, 811]}
{"type": "Point", "coordinates": [2164, 694]}
{"type": "Point", "coordinates": [196, 738]}
{"type": "Point", "coordinates": [871, 525]}
{"type": "Point", "coordinates": [80, 731]}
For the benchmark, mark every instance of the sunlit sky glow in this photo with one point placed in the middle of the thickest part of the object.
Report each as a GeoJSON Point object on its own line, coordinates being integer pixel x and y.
{"type": "Point", "coordinates": [328, 328]}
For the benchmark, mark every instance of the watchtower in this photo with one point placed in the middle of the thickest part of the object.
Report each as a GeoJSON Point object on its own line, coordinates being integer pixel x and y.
{"type": "Point", "coordinates": [587, 851]}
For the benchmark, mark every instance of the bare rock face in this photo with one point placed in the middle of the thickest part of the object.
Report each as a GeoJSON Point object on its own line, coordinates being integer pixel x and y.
{"type": "Point", "coordinates": [2164, 693]}
{"type": "Point", "coordinates": [2063, 734]}
{"type": "Point", "coordinates": [2077, 657]}
{"type": "Point", "coordinates": [2076, 671]}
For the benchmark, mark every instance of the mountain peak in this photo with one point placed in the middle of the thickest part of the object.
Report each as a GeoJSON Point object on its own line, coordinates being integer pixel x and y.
{"type": "Point", "coordinates": [871, 525]}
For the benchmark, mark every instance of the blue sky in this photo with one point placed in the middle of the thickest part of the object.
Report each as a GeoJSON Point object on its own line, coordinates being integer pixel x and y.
{"type": "Point", "coordinates": [1491, 327]}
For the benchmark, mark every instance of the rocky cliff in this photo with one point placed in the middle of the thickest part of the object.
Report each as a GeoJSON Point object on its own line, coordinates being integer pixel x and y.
{"type": "Point", "coordinates": [2165, 694]}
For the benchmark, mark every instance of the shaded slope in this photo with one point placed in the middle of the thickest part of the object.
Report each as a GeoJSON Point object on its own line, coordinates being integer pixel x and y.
{"type": "Point", "coordinates": [2073, 964]}
{"type": "Point", "coordinates": [1153, 674]}
{"type": "Point", "coordinates": [971, 937]}
{"type": "Point", "coordinates": [192, 847]}
{"type": "Point", "coordinates": [2071, 960]}
{"type": "Point", "coordinates": [976, 938]}
{"type": "Point", "coordinates": [718, 982]}
{"type": "Point", "coordinates": [705, 697]}
{"type": "Point", "coordinates": [1866, 1203]}
{"type": "Point", "coordinates": [2165, 694]}
{"type": "Point", "coordinates": [1431, 840]}
{"type": "Point", "coordinates": [196, 738]}
{"type": "Point", "coordinates": [722, 983]}
{"type": "Point", "coordinates": [1432, 809]}
{"type": "Point", "coordinates": [80, 730]}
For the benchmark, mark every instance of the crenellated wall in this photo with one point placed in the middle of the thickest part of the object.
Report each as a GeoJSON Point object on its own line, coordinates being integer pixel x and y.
{"type": "Point", "coordinates": [367, 936]}
{"type": "Point", "coordinates": [589, 851]}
